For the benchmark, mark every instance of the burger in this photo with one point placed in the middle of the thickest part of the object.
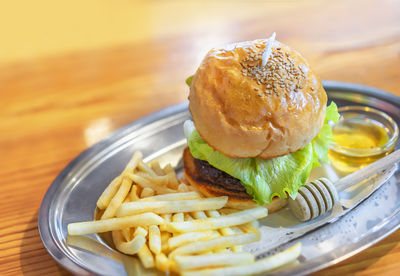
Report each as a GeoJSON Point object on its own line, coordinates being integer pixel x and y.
{"type": "Point", "coordinates": [260, 124]}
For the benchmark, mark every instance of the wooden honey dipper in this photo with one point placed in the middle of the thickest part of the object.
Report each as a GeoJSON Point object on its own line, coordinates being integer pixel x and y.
{"type": "Point", "coordinates": [319, 196]}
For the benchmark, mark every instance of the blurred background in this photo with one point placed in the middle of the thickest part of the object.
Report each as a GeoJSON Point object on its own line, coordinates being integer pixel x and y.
{"type": "Point", "coordinates": [99, 56]}
{"type": "Point", "coordinates": [71, 72]}
{"type": "Point", "coordinates": [109, 58]}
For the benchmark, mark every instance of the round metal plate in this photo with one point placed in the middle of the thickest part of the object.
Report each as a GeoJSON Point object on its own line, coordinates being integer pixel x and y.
{"type": "Point", "coordinates": [73, 194]}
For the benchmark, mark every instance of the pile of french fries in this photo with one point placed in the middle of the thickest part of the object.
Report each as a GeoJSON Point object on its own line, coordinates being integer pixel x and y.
{"type": "Point", "coordinates": [171, 227]}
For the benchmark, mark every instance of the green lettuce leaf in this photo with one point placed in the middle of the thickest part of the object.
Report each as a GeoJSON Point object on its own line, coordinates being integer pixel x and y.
{"type": "Point", "coordinates": [264, 179]}
{"type": "Point", "coordinates": [325, 137]}
{"type": "Point", "coordinates": [189, 80]}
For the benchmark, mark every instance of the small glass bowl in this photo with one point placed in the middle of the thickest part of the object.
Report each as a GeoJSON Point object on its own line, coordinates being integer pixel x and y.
{"type": "Point", "coordinates": [362, 127]}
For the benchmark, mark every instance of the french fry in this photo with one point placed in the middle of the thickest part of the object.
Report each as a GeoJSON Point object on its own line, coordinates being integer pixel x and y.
{"type": "Point", "coordinates": [237, 230]}
{"type": "Point", "coordinates": [212, 213]}
{"type": "Point", "coordinates": [167, 219]}
{"type": "Point", "coordinates": [154, 239]}
{"type": "Point", "coordinates": [117, 199]}
{"type": "Point", "coordinates": [217, 243]}
{"type": "Point", "coordinates": [248, 228]}
{"type": "Point", "coordinates": [126, 234]}
{"type": "Point", "coordinates": [110, 191]}
{"type": "Point", "coordinates": [262, 266]}
{"type": "Point", "coordinates": [237, 248]}
{"type": "Point", "coordinates": [187, 217]}
{"type": "Point", "coordinates": [133, 163]}
{"type": "Point", "coordinates": [162, 262]}
{"type": "Point", "coordinates": [133, 194]}
{"type": "Point", "coordinates": [145, 168]}
{"type": "Point", "coordinates": [143, 182]}
{"type": "Point", "coordinates": [164, 207]}
{"type": "Point", "coordinates": [202, 215]}
{"type": "Point", "coordinates": [213, 260]}
{"type": "Point", "coordinates": [173, 267]}
{"type": "Point", "coordinates": [168, 168]}
{"type": "Point", "coordinates": [99, 226]}
{"type": "Point", "coordinates": [164, 248]}
{"type": "Point", "coordinates": [117, 237]}
{"type": "Point", "coordinates": [166, 179]}
{"type": "Point", "coordinates": [178, 217]}
{"type": "Point", "coordinates": [199, 215]}
{"type": "Point", "coordinates": [146, 257]}
{"type": "Point", "coordinates": [165, 236]}
{"type": "Point", "coordinates": [221, 250]}
{"type": "Point", "coordinates": [172, 180]}
{"type": "Point", "coordinates": [186, 238]}
{"type": "Point", "coordinates": [144, 175]}
{"type": "Point", "coordinates": [132, 247]}
{"type": "Point", "coordinates": [146, 192]}
{"type": "Point", "coordinates": [173, 196]}
{"type": "Point", "coordinates": [219, 222]}
{"type": "Point", "coordinates": [155, 166]}
{"type": "Point", "coordinates": [171, 226]}
{"type": "Point", "coordinates": [140, 231]}
{"type": "Point", "coordinates": [227, 211]}
{"type": "Point", "coordinates": [159, 180]}
{"type": "Point", "coordinates": [226, 231]}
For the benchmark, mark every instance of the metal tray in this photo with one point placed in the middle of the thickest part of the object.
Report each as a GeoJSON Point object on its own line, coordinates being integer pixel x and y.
{"type": "Point", "coordinates": [73, 194]}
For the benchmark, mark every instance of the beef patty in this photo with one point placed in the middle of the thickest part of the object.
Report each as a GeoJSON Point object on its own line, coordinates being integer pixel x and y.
{"type": "Point", "coordinates": [212, 182]}
{"type": "Point", "coordinates": [217, 177]}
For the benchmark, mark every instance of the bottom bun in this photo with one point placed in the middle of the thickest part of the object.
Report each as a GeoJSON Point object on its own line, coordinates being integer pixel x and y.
{"type": "Point", "coordinates": [236, 199]}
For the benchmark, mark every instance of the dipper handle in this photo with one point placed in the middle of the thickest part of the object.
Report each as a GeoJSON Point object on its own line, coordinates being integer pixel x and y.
{"type": "Point", "coordinates": [319, 196]}
{"type": "Point", "coordinates": [367, 171]}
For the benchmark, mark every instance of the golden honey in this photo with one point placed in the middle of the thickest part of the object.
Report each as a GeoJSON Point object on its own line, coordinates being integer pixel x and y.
{"type": "Point", "coordinates": [357, 134]}
{"type": "Point", "coordinates": [360, 138]}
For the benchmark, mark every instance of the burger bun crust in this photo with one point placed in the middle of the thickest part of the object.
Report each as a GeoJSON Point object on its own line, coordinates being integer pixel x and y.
{"type": "Point", "coordinates": [244, 115]}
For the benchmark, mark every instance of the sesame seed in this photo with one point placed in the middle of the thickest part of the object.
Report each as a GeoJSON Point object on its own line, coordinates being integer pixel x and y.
{"type": "Point", "coordinates": [280, 71]}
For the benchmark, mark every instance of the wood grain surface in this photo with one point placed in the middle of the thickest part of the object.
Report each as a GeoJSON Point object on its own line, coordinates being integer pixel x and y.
{"type": "Point", "coordinates": [73, 72]}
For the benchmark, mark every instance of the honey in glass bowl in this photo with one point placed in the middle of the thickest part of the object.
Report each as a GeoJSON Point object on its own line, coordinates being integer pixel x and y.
{"type": "Point", "coordinates": [362, 136]}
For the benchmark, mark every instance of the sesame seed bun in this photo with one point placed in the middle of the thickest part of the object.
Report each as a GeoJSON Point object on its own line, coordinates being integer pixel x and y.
{"type": "Point", "coordinates": [245, 110]}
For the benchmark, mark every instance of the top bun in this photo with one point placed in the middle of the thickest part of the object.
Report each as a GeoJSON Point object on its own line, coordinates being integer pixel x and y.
{"type": "Point", "coordinates": [245, 110]}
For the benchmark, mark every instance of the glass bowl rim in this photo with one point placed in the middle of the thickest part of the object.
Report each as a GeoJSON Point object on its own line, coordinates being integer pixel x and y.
{"type": "Point", "coordinates": [372, 151]}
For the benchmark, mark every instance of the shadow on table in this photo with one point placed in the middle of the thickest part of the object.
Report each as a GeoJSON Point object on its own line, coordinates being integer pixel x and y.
{"type": "Point", "coordinates": [34, 258]}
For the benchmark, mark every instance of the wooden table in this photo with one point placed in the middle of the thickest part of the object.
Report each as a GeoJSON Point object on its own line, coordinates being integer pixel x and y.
{"type": "Point", "coordinates": [73, 72]}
